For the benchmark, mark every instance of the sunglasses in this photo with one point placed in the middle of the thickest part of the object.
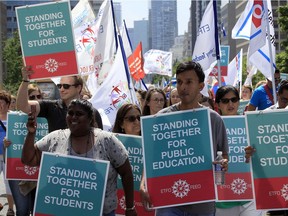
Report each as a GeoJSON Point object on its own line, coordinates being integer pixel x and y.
{"type": "Point", "coordinates": [34, 97]}
{"type": "Point", "coordinates": [226, 100]}
{"type": "Point", "coordinates": [65, 86]}
{"type": "Point", "coordinates": [132, 118]}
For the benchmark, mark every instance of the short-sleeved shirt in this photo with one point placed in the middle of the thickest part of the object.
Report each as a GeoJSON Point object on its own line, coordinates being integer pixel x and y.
{"type": "Point", "coordinates": [55, 112]}
{"type": "Point", "coordinates": [106, 147]}
{"type": "Point", "coordinates": [220, 143]}
{"type": "Point", "coordinates": [260, 98]}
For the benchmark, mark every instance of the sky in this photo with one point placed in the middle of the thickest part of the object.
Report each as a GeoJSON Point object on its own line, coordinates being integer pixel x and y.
{"type": "Point", "coordinates": [138, 9]}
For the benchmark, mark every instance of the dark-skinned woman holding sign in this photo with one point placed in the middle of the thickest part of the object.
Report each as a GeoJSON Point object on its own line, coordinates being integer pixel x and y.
{"type": "Point", "coordinates": [81, 139]}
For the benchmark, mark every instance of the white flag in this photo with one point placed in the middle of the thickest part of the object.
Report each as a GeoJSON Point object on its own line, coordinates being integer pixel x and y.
{"type": "Point", "coordinates": [234, 75]}
{"type": "Point", "coordinates": [84, 27]}
{"type": "Point", "coordinates": [105, 46]}
{"type": "Point", "coordinates": [251, 71]}
{"type": "Point", "coordinates": [259, 54]}
{"type": "Point", "coordinates": [113, 93]}
{"type": "Point", "coordinates": [158, 62]}
{"type": "Point", "coordinates": [126, 41]}
{"type": "Point", "coordinates": [205, 48]}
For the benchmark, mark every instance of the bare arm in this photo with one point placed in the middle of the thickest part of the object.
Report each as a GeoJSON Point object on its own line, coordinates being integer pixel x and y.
{"type": "Point", "coordinates": [31, 155]}
{"type": "Point", "coordinates": [126, 174]}
{"type": "Point", "coordinates": [22, 101]}
{"type": "Point", "coordinates": [251, 107]}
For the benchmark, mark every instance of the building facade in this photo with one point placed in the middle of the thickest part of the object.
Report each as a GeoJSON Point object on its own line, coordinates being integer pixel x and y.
{"type": "Point", "coordinates": [164, 25]}
{"type": "Point", "coordinates": [141, 33]}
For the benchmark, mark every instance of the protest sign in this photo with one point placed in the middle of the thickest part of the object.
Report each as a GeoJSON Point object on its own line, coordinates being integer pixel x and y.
{"type": "Point", "coordinates": [242, 106]}
{"type": "Point", "coordinates": [133, 145]}
{"type": "Point", "coordinates": [268, 133]}
{"type": "Point", "coordinates": [16, 133]}
{"type": "Point", "coordinates": [47, 39]}
{"type": "Point", "coordinates": [177, 150]}
{"type": "Point", "coordinates": [238, 182]}
{"type": "Point", "coordinates": [70, 185]}
{"type": "Point", "coordinates": [224, 61]}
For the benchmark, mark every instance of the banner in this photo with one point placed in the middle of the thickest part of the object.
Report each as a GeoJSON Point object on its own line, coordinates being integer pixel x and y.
{"type": "Point", "coordinates": [238, 182]}
{"type": "Point", "coordinates": [158, 62]}
{"type": "Point", "coordinates": [47, 40]}
{"type": "Point", "coordinates": [70, 185]}
{"type": "Point", "coordinates": [133, 144]}
{"type": "Point", "coordinates": [178, 153]}
{"type": "Point", "coordinates": [267, 133]}
{"type": "Point", "coordinates": [16, 133]}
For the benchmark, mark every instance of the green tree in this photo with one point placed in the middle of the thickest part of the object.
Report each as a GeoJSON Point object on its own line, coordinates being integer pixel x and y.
{"type": "Point", "coordinates": [13, 59]}
{"type": "Point", "coordinates": [282, 57]}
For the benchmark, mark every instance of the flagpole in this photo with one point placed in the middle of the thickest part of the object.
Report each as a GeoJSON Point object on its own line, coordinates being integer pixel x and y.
{"type": "Point", "coordinates": [126, 68]}
{"type": "Point", "coordinates": [270, 52]}
{"type": "Point", "coordinates": [114, 23]}
{"type": "Point", "coordinates": [217, 43]}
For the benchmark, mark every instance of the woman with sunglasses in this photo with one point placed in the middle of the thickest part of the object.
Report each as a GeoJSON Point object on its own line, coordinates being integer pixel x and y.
{"type": "Point", "coordinates": [155, 101]}
{"type": "Point", "coordinates": [128, 120]}
{"type": "Point", "coordinates": [227, 99]}
{"type": "Point", "coordinates": [82, 139]}
{"type": "Point", "coordinates": [34, 92]}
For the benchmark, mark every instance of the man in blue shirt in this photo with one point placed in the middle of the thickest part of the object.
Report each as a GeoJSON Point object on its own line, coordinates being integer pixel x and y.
{"type": "Point", "coordinates": [262, 97]}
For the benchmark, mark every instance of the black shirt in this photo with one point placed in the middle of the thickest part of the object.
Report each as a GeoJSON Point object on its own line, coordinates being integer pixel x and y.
{"type": "Point", "coordinates": [55, 112]}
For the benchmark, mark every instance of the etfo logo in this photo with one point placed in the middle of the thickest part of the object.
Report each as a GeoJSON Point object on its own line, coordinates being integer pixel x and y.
{"type": "Point", "coordinates": [30, 170]}
{"type": "Point", "coordinates": [257, 13]}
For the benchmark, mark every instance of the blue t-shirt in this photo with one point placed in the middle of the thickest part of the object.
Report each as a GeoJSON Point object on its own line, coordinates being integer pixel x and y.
{"type": "Point", "coordinates": [2, 135]}
{"type": "Point", "coordinates": [260, 98]}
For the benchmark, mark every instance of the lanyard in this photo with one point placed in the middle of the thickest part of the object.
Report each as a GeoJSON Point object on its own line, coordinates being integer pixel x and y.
{"type": "Point", "coordinates": [269, 93]}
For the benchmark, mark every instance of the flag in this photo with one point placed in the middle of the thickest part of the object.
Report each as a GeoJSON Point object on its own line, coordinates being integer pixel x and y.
{"type": "Point", "coordinates": [205, 46]}
{"type": "Point", "coordinates": [251, 71]}
{"type": "Point", "coordinates": [84, 27]}
{"type": "Point", "coordinates": [135, 62]}
{"type": "Point", "coordinates": [234, 76]}
{"type": "Point", "coordinates": [206, 49]}
{"type": "Point", "coordinates": [158, 62]}
{"type": "Point", "coordinates": [113, 93]}
{"type": "Point", "coordinates": [252, 25]}
{"type": "Point", "coordinates": [105, 46]}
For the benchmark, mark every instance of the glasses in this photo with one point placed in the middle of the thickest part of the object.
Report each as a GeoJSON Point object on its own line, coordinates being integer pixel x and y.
{"type": "Point", "coordinates": [157, 100]}
{"type": "Point", "coordinates": [65, 86]}
{"type": "Point", "coordinates": [34, 97]}
{"type": "Point", "coordinates": [226, 100]}
{"type": "Point", "coordinates": [132, 118]}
